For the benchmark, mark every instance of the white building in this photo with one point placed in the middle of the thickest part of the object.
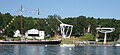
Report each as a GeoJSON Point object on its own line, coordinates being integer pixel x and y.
{"type": "Point", "coordinates": [35, 33]}
{"type": "Point", "coordinates": [17, 34]}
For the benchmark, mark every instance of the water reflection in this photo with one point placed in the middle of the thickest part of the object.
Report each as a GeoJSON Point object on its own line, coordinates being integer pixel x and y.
{"type": "Point", "coordinates": [57, 50]}
{"type": "Point", "coordinates": [28, 50]}
{"type": "Point", "coordinates": [66, 51]}
{"type": "Point", "coordinates": [16, 50]}
{"type": "Point", "coordinates": [104, 50]}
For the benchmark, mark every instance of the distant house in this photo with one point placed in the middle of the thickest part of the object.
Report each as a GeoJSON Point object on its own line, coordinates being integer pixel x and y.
{"type": "Point", "coordinates": [17, 34]}
{"type": "Point", "coordinates": [34, 33]}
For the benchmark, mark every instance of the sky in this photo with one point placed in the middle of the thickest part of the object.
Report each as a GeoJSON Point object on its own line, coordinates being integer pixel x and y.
{"type": "Point", "coordinates": [64, 8]}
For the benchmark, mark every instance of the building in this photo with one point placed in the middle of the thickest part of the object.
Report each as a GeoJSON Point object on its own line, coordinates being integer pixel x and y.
{"type": "Point", "coordinates": [34, 33]}
{"type": "Point", "coordinates": [17, 34]}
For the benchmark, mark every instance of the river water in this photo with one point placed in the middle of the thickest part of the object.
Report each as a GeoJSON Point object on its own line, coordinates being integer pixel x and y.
{"type": "Point", "coordinates": [57, 50]}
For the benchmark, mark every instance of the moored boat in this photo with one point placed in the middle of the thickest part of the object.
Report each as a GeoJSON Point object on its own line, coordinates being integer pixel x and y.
{"type": "Point", "coordinates": [117, 44]}
{"type": "Point", "coordinates": [33, 42]}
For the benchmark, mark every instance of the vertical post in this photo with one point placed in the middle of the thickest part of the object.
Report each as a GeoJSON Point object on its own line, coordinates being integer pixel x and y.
{"type": "Point", "coordinates": [97, 36]}
{"type": "Point", "coordinates": [84, 30]}
{"type": "Point", "coordinates": [21, 9]}
{"type": "Point", "coordinates": [105, 38]}
{"type": "Point", "coordinates": [38, 22]}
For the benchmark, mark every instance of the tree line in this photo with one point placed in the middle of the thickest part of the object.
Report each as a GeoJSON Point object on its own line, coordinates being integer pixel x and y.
{"type": "Point", "coordinates": [50, 25]}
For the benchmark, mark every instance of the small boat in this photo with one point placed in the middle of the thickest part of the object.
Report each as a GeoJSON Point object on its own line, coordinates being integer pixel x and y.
{"type": "Point", "coordinates": [117, 44]}
{"type": "Point", "coordinates": [67, 45]}
{"type": "Point", "coordinates": [55, 42]}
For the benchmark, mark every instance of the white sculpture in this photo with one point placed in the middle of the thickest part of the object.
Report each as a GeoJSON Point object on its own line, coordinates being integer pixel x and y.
{"type": "Point", "coordinates": [66, 33]}
{"type": "Point", "coordinates": [105, 31]}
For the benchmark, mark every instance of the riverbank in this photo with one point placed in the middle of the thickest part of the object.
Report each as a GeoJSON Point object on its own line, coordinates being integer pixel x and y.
{"type": "Point", "coordinates": [79, 41]}
{"type": "Point", "coordinates": [86, 40]}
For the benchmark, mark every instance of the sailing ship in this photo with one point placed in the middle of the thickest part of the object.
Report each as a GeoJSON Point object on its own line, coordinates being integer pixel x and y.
{"type": "Point", "coordinates": [39, 41]}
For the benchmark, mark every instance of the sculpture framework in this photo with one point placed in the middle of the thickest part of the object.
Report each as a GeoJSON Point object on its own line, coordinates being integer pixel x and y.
{"type": "Point", "coordinates": [105, 31]}
{"type": "Point", "coordinates": [66, 33]}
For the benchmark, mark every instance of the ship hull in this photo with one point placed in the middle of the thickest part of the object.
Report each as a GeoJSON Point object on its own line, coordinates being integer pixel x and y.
{"type": "Point", "coordinates": [32, 42]}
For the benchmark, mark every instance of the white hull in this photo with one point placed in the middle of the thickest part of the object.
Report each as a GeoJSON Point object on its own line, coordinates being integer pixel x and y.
{"type": "Point", "coordinates": [117, 44]}
{"type": "Point", "coordinates": [68, 45]}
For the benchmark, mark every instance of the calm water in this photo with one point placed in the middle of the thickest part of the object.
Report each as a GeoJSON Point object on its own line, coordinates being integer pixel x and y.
{"type": "Point", "coordinates": [57, 50]}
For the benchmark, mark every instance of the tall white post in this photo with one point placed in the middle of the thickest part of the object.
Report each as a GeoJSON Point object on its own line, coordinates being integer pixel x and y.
{"type": "Point", "coordinates": [105, 38]}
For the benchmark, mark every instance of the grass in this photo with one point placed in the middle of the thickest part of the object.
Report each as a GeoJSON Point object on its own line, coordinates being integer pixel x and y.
{"type": "Point", "coordinates": [67, 41]}
{"type": "Point", "coordinates": [73, 39]}
{"type": "Point", "coordinates": [87, 37]}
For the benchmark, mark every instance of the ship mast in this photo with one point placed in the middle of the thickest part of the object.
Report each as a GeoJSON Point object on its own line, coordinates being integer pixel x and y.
{"type": "Point", "coordinates": [21, 10]}
{"type": "Point", "coordinates": [38, 19]}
